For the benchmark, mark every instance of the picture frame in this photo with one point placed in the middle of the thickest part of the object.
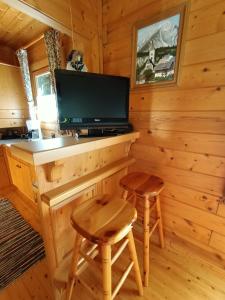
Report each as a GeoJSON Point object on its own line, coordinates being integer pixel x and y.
{"type": "Point", "coordinates": [156, 49]}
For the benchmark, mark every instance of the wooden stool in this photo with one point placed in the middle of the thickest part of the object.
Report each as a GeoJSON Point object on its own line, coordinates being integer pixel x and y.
{"type": "Point", "coordinates": [103, 221]}
{"type": "Point", "coordinates": [147, 187]}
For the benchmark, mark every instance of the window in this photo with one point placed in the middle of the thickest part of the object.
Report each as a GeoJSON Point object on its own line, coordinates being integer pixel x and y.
{"type": "Point", "coordinates": [46, 101]}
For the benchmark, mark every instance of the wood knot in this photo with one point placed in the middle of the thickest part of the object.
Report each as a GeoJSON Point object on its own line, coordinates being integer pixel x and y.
{"type": "Point", "coordinates": [101, 202]}
{"type": "Point", "coordinates": [110, 233]}
{"type": "Point", "coordinates": [205, 70]}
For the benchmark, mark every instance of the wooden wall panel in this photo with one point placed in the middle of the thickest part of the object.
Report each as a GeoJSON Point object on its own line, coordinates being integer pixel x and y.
{"type": "Point", "coordinates": [199, 4]}
{"type": "Point", "coordinates": [202, 122]}
{"type": "Point", "coordinates": [192, 197]}
{"type": "Point", "coordinates": [87, 33]}
{"type": "Point", "coordinates": [57, 9]}
{"type": "Point", "coordinates": [203, 75]}
{"type": "Point", "coordinates": [200, 163]}
{"type": "Point", "coordinates": [214, 45]}
{"type": "Point", "coordinates": [170, 99]}
{"type": "Point", "coordinates": [196, 216]}
{"type": "Point", "coordinates": [8, 56]}
{"type": "Point", "coordinates": [37, 56]}
{"type": "Point", "coordinates": [199, 24]}
{"type": "Point", "coordinates": [197, 181]}
{"type": "Point", "coordinates": [182, 226]}
{"type": "Point", "coordinates": [12, 93]}
{"type": "Point", "coordinates": [182, 127]}
{"type": "Point", "coordinates": [185, 141]}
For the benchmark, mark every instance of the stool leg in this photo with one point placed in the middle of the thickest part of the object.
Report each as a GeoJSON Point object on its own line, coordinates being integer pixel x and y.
{"type": "Point", "coordinates": [106, 272]}
{"type": "Point", "coordinates": [134, 199]}
{"type": "Point", "coordinates": [159, 216]}
{"type": "Point", "coordinates": [133, 196]}
{"type": "Point", "coordinates": [125, 194]}
{"type": "Point", "coordinates": [73, 269]}
{"type": "Point", "coordinates": [133, 256]}
{"type": "Point", "coordinates": [146, 241]}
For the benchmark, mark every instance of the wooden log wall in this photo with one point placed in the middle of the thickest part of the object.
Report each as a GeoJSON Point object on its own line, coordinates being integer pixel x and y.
{"type": "Point", "coordinates": [182, 127]}
{"type": "Point", "coordinates": [8, 56]}
{"type": "Point", "coordinates": [83, 18]}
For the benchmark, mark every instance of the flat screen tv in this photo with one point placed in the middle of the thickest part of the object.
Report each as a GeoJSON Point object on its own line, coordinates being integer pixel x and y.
{"type": "Point", "coordinates": [90, 100]}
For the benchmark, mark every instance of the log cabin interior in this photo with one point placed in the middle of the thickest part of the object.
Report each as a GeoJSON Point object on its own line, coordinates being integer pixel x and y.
{"type": "Point", "coordinates": [82, 194]}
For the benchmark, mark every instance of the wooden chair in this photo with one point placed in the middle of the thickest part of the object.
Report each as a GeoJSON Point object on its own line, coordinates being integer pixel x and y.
{"type": "Point", "coordinates": [139, 185]}
{"type": "Point", "coordinates": [103, 221]}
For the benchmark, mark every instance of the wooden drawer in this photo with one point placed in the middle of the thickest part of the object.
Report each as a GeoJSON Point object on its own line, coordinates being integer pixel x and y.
{"type": "Point", "coordinates": [21, 175]}
{"type": "Point", "coordinates": [13, 114]}
{"type": "Point", "coordinates": [6, 123]}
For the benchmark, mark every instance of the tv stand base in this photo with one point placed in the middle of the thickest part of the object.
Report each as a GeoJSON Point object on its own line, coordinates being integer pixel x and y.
{"type": "Point", "coordinates": [105, 131]}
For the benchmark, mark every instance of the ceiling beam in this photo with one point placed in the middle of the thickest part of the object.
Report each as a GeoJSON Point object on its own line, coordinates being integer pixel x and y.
{"type": "Point", "coordinates": [34, 13]}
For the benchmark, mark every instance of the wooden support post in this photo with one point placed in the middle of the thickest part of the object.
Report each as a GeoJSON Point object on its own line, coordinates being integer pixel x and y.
{"type": "Point", "coordinates": [106, 272]}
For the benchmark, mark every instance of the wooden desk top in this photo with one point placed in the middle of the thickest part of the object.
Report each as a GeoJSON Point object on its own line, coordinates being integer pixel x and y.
{"type": "Point", "coordinates": [52, 144]}
{"type": "Point", "coordinates": [44, 151]}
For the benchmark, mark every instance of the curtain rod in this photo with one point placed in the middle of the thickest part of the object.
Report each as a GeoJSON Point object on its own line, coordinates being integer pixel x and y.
{"type": "Point", "coordinates": [31, 43]}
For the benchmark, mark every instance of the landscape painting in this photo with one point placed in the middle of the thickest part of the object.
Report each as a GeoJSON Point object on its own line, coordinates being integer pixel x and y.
{"type": "Point", "coordinates": [157, 51]}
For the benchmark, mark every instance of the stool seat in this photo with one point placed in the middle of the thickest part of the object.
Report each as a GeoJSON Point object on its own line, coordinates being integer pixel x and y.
{"type": "Point", "coordinates": [143, 184]}
{"type": "Point", "coordinates": [104, 219]}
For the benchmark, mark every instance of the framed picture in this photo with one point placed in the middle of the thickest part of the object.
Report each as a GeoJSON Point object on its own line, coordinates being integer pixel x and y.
{"type": "Point", "coordinates": [156, 49]}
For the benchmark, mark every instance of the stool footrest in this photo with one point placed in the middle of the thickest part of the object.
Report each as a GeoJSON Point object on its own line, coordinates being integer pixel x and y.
{"type": "Point", "coordinates": [119, 251]}
{"type": "Point", "coordinates": [88, 251]}
{"type": "Point", "coordinates": [154, 227]}
{"type": "Point", "coordinates": [85, 263]}
{"type": "Point", "coordinates": [122, 279]}
{"type": "Point", "coordinates": [90, 260]}
{"type": "Point", "coordinates": [153, 206]}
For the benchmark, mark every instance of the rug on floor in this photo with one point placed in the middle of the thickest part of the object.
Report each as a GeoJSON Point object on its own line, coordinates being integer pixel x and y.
{"type": "Point", "coordinates": [20, 245]}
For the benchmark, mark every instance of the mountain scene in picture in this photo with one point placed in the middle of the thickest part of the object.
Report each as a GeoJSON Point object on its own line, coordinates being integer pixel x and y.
{"type": "Point", "coordinates": [156, 51]}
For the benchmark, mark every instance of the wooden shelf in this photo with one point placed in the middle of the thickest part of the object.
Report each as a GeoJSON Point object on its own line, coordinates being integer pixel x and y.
{"type": "Point", "coordinates": [60, 194]}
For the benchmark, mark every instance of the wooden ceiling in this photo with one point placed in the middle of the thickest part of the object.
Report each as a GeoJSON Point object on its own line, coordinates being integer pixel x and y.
{"type": "Point", "coordinates": [18, 29]}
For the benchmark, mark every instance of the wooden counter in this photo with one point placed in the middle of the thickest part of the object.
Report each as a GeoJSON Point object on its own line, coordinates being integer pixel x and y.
{"type": "Point", "coordinates": [44, 151]}
{"type": "Point", "coordinates": [68, 172]}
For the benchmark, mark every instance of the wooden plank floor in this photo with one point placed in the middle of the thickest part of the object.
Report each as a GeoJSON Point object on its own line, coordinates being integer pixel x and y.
{"type": "Point", "coordinates": [174, 276]}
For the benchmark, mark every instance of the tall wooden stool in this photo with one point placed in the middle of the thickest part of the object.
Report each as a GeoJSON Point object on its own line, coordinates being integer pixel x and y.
{"type": "Point", "coordinates": [146, 187]}
{"type": "Point", "coordinates": [103, 221]}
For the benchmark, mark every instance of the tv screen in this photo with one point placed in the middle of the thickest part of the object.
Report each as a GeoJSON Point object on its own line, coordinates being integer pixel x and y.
{"type": "Point", "coordinates": [89, 100]}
